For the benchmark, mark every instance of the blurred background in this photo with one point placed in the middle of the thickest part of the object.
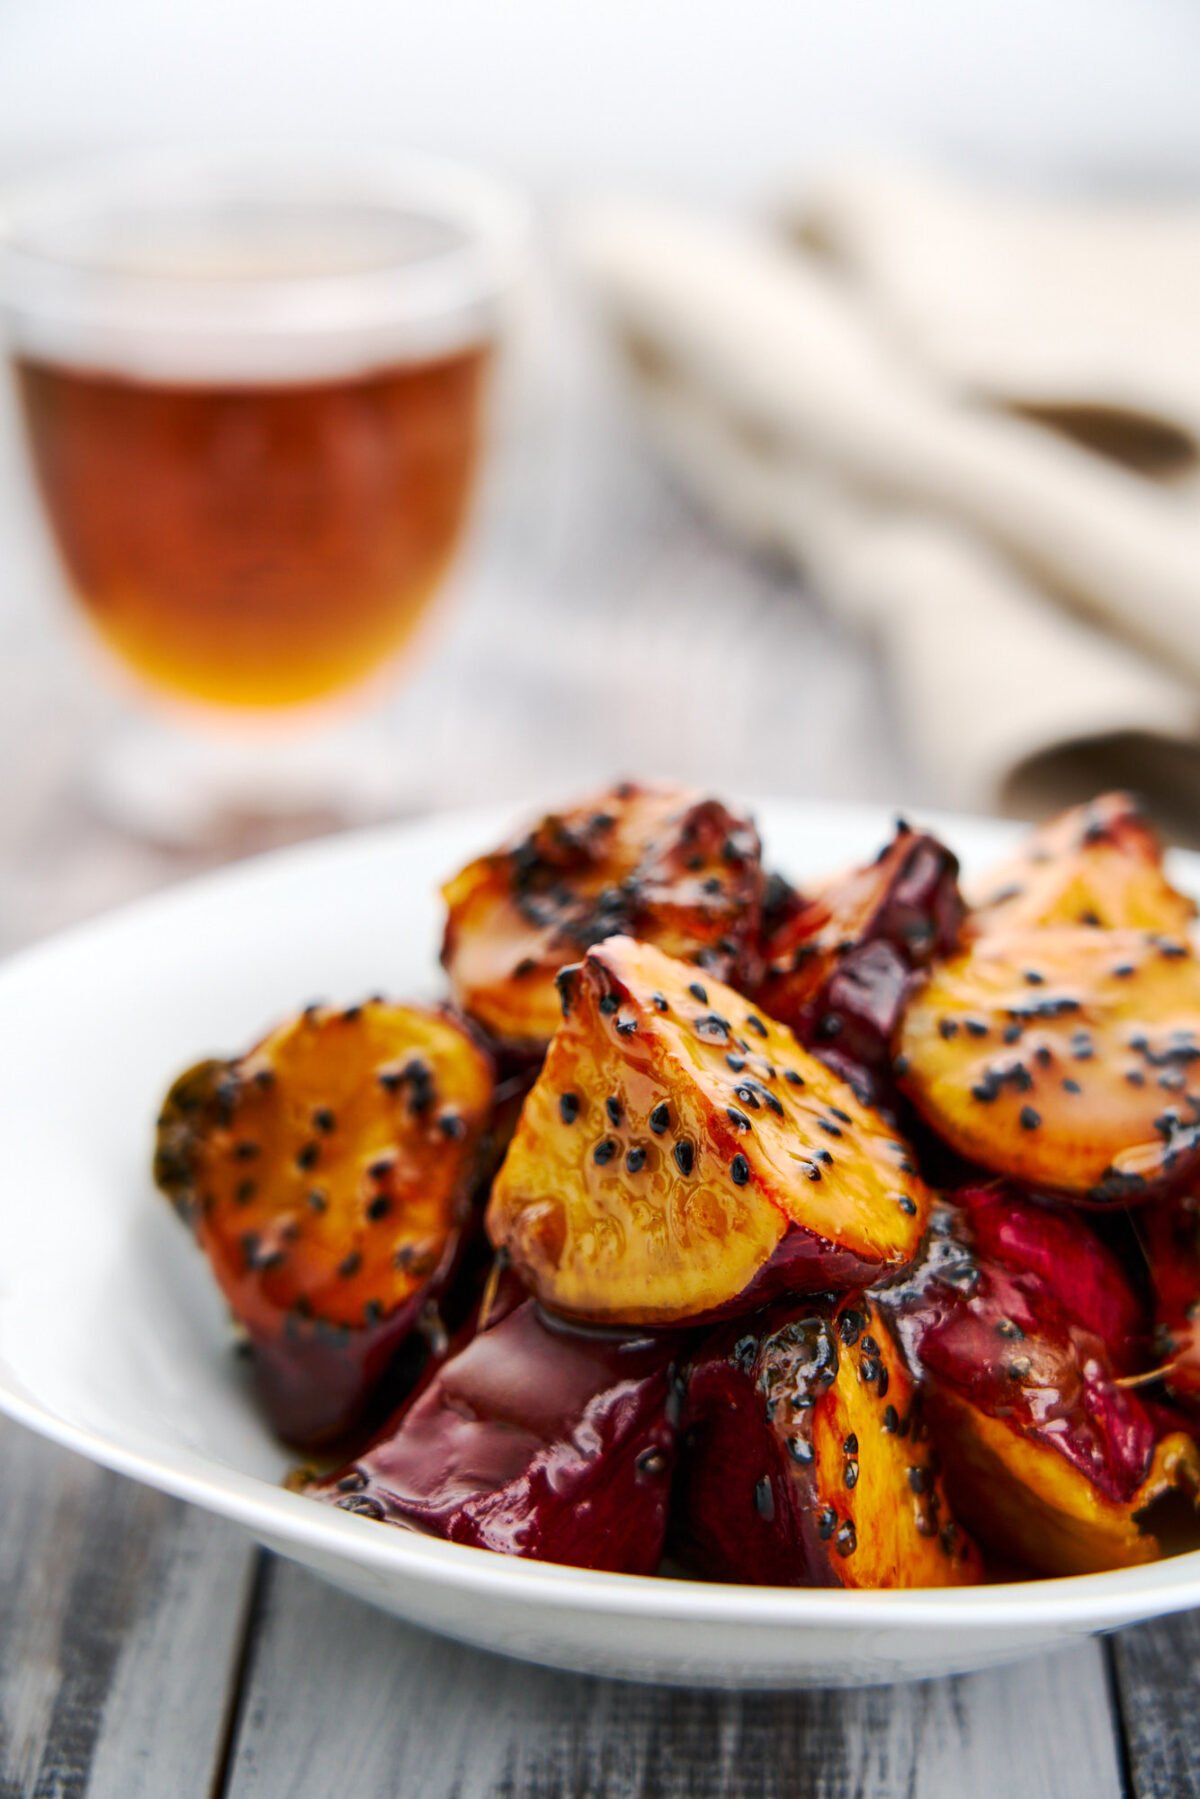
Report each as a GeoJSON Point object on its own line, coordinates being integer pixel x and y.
{"type": "Point", "coordinates": [613, 609]}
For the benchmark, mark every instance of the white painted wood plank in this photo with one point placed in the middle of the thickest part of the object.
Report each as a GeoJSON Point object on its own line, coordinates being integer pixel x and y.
{"type": "Point", "coordinates": [340, 1698]}
{"type": "Point", "coordinates": [121, 1627]}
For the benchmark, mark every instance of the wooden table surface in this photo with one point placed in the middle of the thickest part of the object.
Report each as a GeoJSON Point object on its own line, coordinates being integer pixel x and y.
{"type": "Point", "coordinates": [148, 1649]}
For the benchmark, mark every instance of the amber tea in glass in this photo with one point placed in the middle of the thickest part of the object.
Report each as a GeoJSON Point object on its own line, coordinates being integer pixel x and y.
{"type": "Point", "coordinates": [253, 394]}
{"type": "Point", "coordinates": [256, 546]}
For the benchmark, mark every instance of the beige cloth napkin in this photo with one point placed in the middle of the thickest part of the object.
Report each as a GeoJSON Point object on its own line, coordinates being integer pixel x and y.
{"type": "Point", "coordinates": [973, 422]}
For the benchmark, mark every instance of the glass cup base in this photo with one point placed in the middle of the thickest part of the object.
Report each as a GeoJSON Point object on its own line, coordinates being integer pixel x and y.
{"type": "Point", "coordinates": [189, 792]}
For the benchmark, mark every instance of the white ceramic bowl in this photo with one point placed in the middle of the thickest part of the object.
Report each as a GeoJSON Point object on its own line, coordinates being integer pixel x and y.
{"type": "Point", "coordinates": [113, 1341]}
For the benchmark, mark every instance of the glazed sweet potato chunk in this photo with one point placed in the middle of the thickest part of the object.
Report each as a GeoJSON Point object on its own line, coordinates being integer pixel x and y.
{"type": "Point", "coordinates": [1065, 1058]}
{"type": "Point", "coordinates": [1097, 865]}
{"type": "Point", "coordinates": [681, 1155]}
{"type": "Point", "coordinates": [840, 965]}
{"type": "Point", "coordinates": [658, 862]}
{"type": "Point", "coordinates": [533, 1441]}
{"type": "Point", "coordinates": [1047, 1459]}
{"type": "Point", "coordinates": [806, 1461]}
{"type": "Point", "coordinates": [327, 1175]}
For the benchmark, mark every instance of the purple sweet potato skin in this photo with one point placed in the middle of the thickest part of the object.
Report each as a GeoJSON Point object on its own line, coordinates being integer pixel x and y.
{"type": "Point", "coordinates": [533, 1440]}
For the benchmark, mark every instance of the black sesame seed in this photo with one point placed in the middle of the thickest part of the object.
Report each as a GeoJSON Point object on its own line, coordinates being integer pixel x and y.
{"type": "Point", "coordinates": [850, 1327]}
{"type": "Point", "coordinates": [379, 1207]}
{"type": "Point", "coordinates": [947, 1028]}
{"type": "Point", "coordinates": [651, 1462]}
{"type": "Point", "coordinates": [918, 1480]}
{"type": "Point", "coordinates": [801, 1450]}
{"type": "Point", "coordinates": [850, 1474]}
{"type": "Point", "coordinates": [363, 1504]}
{"type": "Point", "coordinates": [846, 1540]}
{"type": "Point", "coordinates": [1135, 1077]}
{"type": "Point", "coordinates": [850, 1446]}
{"type": "Point", "coordinates": [827, 1524]}
{"type": "Point", "coordinates": [635, 1161]}
{"type": "Point", "coordinates": [626, 1027]}
{"type": "Point", "coordinates": [828, 1126]}
{"type": "Point", "coordinates": [453, 1126]}
{"type": "Point", "coordinates": [390, 1079]}
{"type": "Point", "coordinates": [608, 1004]}
{"type": "Point", "coordinates": [975, 1027]}
{"type": "Point", "coordinates": [308, 1156]}
{"type": "Point", "coordinates": [605, 1150]}
{"type": "Point", "coordinates": [1123, 970]}
{"type": "Point", "coordinates": [245, 1151]}
{"type": "Point", "coordinates": [900, 1067]}
{"type": "Point", "coordinates": [568, 1107]}
{"type": "Point", "coordinates": [737, 1119]}
{"type": "Point", "coordinates": [739, 1170]}
{"type": "Point", "coordinates": [244, 1193]}
{"type": "Point", "coordinates": [891, 1419]}
{"type": "Point", "coordinates": [1070, 1086]}
{"type": "Point", "coordinates": [698, 992]}
{"type": "Point", "coordinates": [324, 1120]}
{"type": "Point", "coordinates": [659, 1002]}
{"type": "Point", "coordinates": [350, 1265]}
{"type": "Point", "coordinates": [1028, 1118]}
{"type": "Point", "coordinates": [380, 1168]}
{"type": "Point", "coordinates": [764, 1499]}
{"type": "Point", "coordinates": [612, 1106]}
{"type": "Point", "coordinates": [1033, 978]}
{"type": "Point", "coordinates": [792, 1078]}
{"type": "Point", "coordinates": [685, 1156]}
{"type": "Point", "coordinates": [755, 1024]}
{"type": "Point", "coordinates": [836, 1112]}
{"type": "Point", "coordinates": [737, 1063]}
{"type": "Point", "coordinates": [318, 1201]}
{"type": "Point", "coordinates": [660, 1118]}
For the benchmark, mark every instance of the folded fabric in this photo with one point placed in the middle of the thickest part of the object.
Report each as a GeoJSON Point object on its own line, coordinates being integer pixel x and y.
{"type": "Point", "coordinates": [1039, 604]}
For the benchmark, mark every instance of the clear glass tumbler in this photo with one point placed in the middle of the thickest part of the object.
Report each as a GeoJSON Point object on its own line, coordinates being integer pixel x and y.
{"type": "Point", "coordinates": [253, 388]}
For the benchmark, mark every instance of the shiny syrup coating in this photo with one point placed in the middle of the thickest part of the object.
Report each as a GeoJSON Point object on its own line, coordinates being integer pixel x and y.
{"type": "Point", "coordinates": [806, 1460]}
{"type": "Point", "coordinates": [531, 1441]}
{"type": "Point", "coordinates": [327, 1176]}
{"type": "Point", "coordinates": [681, 1156]}
{"type": "Point", "coordinates": [841, 964]}
{"type": "Point", "coordinates": [1098, 865]}
{"type": "Point", "coordinates": [1047, 1459]}
{"type": "Point", "coordinates": [1169, 1232]}
{"type": "Point", "coordinates": [1067, 1058]}
{"type": "Point", "coordinates": [659, 862]}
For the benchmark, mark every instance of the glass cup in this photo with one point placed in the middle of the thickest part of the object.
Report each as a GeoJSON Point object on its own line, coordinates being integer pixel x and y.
{"type": "Point", "coordinates": [253, 391]}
